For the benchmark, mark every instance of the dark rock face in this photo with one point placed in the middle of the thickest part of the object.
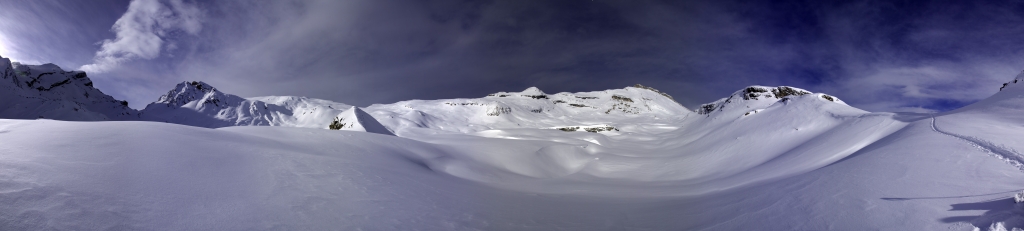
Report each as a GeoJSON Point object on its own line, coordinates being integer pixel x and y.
{"type": "Point", "coordinates": [781, 92]}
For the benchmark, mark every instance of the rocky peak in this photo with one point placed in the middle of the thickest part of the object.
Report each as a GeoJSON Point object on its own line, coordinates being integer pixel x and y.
{"type": "Point", "coordinates": [55, 93]}
{"type": "Point", "coordinates": [1018, 79]}
{"type": "Point", "coordinates": [6, 69]}
{"type": "Point", "coordinates": [44, 77]}
{"type": "Point", "coordinates": [756, 97]}
{"type": "Point", "coordinates": [189, 91]}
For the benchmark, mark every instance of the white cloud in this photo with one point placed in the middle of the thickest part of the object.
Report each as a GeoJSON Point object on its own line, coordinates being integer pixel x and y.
{"type": "Point", "coordinates": [3, 46]}
{"type": "Point", "coordinates": [143, 30]}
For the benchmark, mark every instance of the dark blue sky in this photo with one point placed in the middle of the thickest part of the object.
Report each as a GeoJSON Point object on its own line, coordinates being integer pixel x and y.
{"type": "Point", "coordinates": [876, 55]}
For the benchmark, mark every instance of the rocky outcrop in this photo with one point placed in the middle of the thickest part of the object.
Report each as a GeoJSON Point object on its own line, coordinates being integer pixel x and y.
{"type": "Point", "coordinates": [47, 91]}
{"type": "Point", "coordinates": [757, 97]}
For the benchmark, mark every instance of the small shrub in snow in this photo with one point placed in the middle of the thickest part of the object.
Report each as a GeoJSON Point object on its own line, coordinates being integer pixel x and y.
{"type": "Point", "coordinates": [337, 124]}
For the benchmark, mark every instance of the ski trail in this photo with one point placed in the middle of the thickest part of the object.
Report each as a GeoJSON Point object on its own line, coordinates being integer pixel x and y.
{"type": "Point", "coordinates": [1008, 155]}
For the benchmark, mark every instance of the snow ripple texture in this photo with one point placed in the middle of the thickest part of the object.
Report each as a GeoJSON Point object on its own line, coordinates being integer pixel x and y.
{"type": "Point", "coordinates": [1009, 155]}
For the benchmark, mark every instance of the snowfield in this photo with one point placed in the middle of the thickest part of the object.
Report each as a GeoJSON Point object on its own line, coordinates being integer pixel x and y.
{"type": "Point", "coordinates": [763, 158]}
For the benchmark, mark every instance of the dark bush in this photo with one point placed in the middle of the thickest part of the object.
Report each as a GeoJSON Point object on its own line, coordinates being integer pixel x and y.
{"type": "Point", "coordinates": [337, 124]}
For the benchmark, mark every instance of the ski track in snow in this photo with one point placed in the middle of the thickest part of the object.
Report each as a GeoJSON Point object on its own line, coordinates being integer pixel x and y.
{"type": "Point", "coordinates": [1006, 154]}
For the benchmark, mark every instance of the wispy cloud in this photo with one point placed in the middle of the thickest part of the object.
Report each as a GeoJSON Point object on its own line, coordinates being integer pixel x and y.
{"type": "Point", "coordinates": [142, 32]}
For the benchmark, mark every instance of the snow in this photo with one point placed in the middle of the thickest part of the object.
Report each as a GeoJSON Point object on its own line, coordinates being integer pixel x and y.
{"type": "Point", "coordinates": [529, 109]}
{"type": "Point", "coordinates": [532, 91]}
{"type": "Point", "coordinates": [199, 104]}
{"type": "Point", "coordinates": [769, 158]}
{"type": "Point", "coordinates": [355, 119]}
{"type": "Point", "coordinates": [47, 91]}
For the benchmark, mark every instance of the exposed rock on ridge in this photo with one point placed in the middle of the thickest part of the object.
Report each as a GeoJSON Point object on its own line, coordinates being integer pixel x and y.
{"type": "Point", "coordinates": [47, 91]}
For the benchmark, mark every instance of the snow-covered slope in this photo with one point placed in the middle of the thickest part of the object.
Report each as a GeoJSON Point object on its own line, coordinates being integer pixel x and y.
{"type": "Point", "coordinates": [47, 91]}
{"type": "Point", "coordinates": [957, 170]}
{"type": "Point", "coordinates": [356, 119]}
{"type": "Point", "coordinates": [199, 104]}
{"type": "Point", "coordinates": [1019, 78]}
{"type": "Point", "coordinates": [993, 124]}
{"type": "Point", "coordinates": [695, 153]}
{"type": "Point", "coordinates": [804, 163]}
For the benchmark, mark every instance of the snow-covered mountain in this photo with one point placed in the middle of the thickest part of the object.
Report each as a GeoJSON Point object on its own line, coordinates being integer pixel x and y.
{"type": "Point", "coordinates": [532, 108]}
{"type": "Point", "coordinates": [753, 98]}
{"type": "Point", "coordinates": [638, 134]}
{"type": "Point", "coordinates": [799, 156]}
{"type": "Point", "coordinates": [763, 157]}
{"type": "Point", "coordinates": [1019, 78]}
{"type": "Point", "coordinates": [47, 91]}
{"type": "Point", "coordinates": [199, 104]}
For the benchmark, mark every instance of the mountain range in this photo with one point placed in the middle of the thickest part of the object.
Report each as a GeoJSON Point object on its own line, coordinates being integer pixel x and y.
{"type": "Point", "coordinates": [763, 157]}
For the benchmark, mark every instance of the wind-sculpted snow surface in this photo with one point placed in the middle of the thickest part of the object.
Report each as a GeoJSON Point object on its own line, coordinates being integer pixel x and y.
{"type": "Point", "coordinates": [696, 155]}
{"type": "Point", "coordinates": [995, 123]}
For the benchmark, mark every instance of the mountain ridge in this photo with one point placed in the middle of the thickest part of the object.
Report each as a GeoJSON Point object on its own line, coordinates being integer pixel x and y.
{"type": "Point", "coordinates": [47, 91]}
